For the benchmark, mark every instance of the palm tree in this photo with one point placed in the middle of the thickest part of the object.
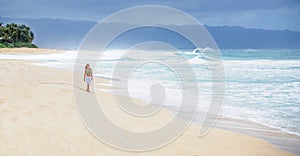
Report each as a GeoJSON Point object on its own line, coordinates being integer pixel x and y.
{"type": "Point", "coordinates": [1, 31]}
{"type": "Point", "coordinates": [12, 33]}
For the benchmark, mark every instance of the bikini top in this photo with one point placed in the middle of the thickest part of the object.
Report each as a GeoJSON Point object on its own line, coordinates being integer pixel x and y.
{"type": "Point", "coordinates": [88, 71]}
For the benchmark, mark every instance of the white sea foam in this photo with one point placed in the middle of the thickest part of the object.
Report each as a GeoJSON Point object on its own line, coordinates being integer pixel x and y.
{"type": "Point", "coordinates": [265, 91]}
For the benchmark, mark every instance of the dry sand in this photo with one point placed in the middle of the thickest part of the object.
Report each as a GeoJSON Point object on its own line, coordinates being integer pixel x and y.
{"type": "Point", "coordinates": [28, 51]}
{"type": "Point", "coordinates": [38, 116]}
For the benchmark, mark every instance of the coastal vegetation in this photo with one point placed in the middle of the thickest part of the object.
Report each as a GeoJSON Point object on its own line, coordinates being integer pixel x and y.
{"type": "Point", "coordinates": [16, 36]}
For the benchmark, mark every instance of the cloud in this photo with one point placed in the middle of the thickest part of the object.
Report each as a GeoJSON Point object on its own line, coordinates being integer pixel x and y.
{"type": "Point", "coordinates": [273, 14]}
{"type": "Point", "coordinates": [279, 18]}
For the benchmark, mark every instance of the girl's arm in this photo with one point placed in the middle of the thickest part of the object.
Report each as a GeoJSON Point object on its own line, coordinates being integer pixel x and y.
{"type": "Point", "coordinates": [92, 73]}
{"type": "Point", "coordinates": [84, 75]}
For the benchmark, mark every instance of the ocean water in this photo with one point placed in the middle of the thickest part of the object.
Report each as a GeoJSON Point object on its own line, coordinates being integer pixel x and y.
{"type": "Point", "coordinates": [262, 86]}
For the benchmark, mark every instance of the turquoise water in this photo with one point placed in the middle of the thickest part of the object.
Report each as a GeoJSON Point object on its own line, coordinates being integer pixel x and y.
{"type": "Point", "coordinates": [262, 86]}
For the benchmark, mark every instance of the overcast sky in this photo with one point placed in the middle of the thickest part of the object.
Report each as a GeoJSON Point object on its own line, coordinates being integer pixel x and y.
{"type": "Point", "coordinates": [266, 14]}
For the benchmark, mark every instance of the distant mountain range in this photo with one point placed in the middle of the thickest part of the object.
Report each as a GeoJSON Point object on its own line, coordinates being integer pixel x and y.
{"type": "Point", "coordinates": [68, 34]}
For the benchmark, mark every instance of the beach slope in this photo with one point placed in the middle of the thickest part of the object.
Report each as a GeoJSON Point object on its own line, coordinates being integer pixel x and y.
{"type": "Point", "coordinates": [38, 116]}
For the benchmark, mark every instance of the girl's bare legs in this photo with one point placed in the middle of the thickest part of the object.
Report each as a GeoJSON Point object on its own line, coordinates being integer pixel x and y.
{"type": "Point", "coordinates": [88, 88]}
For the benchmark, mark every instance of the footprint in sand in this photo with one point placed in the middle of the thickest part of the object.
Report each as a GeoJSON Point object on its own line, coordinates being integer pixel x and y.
{"type": "Point", "coordinates": [28, 113]}
{"type": "Point", "coordinates": [14, 119]}
{"type": "Point", "coordinates": [1, 100]}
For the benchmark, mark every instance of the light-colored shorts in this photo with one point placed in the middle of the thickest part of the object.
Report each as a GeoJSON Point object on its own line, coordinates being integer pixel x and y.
{"type": "Point", "coordinates": [88, 80]}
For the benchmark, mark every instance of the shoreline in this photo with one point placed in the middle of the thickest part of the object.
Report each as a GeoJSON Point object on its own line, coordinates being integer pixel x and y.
{"type": "Point", "coordinates": [281, 139]}
{"type": "Point", "coordinates": [54, 81]}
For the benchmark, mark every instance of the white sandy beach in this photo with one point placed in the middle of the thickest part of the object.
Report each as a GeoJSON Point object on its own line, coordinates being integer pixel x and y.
{"type": "Point", "coordinates": [28, 51]}
{"type": "Point", "coordinates": [38, 116]}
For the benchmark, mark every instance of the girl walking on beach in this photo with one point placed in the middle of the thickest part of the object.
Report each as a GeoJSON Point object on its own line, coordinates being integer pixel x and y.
{"type": "Point", "coordinates": [88, 76]}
